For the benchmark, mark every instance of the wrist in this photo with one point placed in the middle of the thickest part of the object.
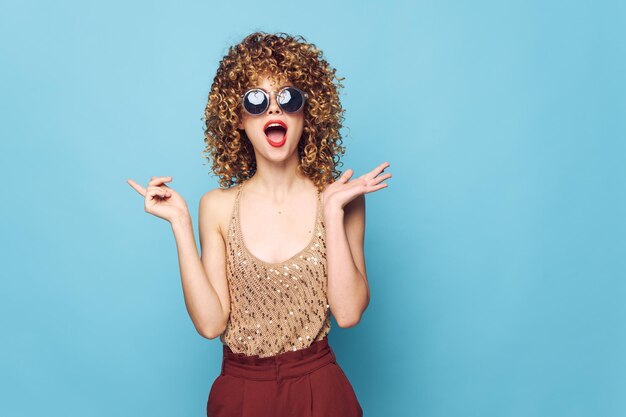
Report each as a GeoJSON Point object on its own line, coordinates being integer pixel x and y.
{"type": "Point", "coordinates": [181, 221]}
{"type": "Point", "coordinates": [333, 212]}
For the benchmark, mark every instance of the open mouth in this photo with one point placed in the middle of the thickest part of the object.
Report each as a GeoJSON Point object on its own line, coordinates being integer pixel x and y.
{"type": "Point", "coordinates": [276, 134]}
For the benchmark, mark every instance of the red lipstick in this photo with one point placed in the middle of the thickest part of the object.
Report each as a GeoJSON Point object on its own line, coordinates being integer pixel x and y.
{"type": "Point", "coordinates": [275, 140]}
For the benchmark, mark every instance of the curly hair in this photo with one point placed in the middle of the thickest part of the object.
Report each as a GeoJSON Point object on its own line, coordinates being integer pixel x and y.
{"type": "Point", "coordinates": [281, 56]}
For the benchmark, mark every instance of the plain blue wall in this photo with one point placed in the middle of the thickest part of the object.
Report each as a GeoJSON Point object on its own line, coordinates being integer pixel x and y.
{"type": "Point", "coordinates": [496, 257]}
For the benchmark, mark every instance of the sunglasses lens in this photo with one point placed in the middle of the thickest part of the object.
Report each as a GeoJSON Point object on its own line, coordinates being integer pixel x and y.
{"type": "Point", "coordinates": [255, 102]}
{"type": "Point", "coordinates": [290, 99]}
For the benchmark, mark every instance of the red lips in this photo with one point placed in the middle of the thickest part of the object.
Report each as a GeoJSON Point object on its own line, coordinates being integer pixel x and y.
{"type": "Point", "coordinates": [280, 122]}
{"type": "Point", "coordinates": [274, 138]}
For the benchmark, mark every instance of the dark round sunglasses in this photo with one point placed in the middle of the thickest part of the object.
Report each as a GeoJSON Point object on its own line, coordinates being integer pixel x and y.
{"type": "Point", "coordinates": [256, 101]}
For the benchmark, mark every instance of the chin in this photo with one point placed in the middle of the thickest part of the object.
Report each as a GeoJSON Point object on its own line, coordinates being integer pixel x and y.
{"type": "Point", "coordinates": [280, 153]}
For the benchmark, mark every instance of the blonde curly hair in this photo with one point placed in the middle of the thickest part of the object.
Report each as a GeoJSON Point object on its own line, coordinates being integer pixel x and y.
{"type": "Point", "coordinates": [281, 56]}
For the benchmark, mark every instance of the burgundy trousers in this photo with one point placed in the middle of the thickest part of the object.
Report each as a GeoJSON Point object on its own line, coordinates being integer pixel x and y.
{"type": "Point", "coordinates": [302, 383]}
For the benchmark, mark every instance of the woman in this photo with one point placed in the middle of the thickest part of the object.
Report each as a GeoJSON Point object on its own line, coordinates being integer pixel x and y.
{"type": "Point", "coordinates": [267, 281]}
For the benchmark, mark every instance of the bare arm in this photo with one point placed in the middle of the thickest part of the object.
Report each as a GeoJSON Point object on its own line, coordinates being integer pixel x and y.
{"type": "Point", "coordinates": [203, 278]}
{"type": "Point", "coordinates": [214, 257]}
{"type": "Point", "coordinates": [348, 289]}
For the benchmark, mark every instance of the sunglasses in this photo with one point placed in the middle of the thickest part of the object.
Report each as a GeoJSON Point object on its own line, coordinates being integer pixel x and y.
{"type": "Point", "coordinates": [256, 101]}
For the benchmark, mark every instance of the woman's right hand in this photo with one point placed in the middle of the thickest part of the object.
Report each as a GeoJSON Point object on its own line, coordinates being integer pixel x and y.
{"type": "Point", "coordinates": [162, 201]}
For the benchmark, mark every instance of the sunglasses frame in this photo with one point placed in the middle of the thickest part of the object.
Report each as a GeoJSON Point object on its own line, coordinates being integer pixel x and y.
{"type": "Point", "coordinates": [268, 98]}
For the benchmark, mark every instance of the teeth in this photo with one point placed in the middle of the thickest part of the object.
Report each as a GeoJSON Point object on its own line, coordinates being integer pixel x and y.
{"type": "Point", "coordinates": [275, 124]}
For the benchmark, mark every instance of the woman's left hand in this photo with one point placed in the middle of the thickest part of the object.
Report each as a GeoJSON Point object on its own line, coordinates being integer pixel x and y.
{"type": "Point", "coordinates": [342, 191]}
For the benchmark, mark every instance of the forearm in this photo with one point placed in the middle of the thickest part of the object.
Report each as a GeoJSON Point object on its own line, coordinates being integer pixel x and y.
{"type": "Point", "coordinates": [348, 294]}
{"type": "Point", "coordinates": [201, 299]}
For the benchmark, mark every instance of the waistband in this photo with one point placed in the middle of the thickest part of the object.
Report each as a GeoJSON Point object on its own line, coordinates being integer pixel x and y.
{"type": "Point", "coordinates": [278, 367]}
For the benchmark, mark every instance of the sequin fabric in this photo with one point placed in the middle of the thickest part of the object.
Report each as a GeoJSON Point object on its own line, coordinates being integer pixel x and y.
{"type": "Point", "coordinates": [276, 307]}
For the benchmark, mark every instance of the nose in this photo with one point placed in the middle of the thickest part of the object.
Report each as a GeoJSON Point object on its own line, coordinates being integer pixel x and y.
{"type": "Point", "coordinates": [274, 108]}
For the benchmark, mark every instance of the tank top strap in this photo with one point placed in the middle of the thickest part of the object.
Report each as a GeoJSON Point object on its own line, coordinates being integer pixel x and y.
{"type": "Point", "coordinates": [318, 211]}
{"type": "Point", "coordinates": [234, 214]}
{"type": "Point", "coordinates": [239, 187]}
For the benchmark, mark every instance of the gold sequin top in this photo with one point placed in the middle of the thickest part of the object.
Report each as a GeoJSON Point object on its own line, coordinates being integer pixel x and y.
{"type": "Point", "coordinates": [276, 307]}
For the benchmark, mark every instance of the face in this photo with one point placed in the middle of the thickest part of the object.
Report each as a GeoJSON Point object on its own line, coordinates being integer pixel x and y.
{"type": "Point", "coordinates": [273, 143]}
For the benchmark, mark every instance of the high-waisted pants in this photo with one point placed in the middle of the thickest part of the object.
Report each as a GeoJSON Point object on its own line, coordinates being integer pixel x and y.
{"type": "Point", "coordinates": [302, 383]}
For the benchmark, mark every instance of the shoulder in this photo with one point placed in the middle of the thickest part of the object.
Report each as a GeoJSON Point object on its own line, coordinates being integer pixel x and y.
{"type": "Point", "coordinates": [215, 206]}
{"type": "Point", "coordinates": [215, 198]}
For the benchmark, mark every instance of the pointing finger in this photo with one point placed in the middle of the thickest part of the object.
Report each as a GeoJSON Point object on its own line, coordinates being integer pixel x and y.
{"type": "Point", "coordinates": [137, 187]}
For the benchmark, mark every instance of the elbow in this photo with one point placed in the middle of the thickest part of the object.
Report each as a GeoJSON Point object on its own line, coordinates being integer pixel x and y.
{"type": "Point", "coordinates": [215, 328]}
{"type": "Point", "coordinates": [347, 324]}
{"type": "Point", "coordinates": [208, 335]}
{"type": "Point", "coordinates": [349, 321]}
{"type": "Point", "coordinates": [344, 324]}
{"type": "Point", "coordinates": [211, 332]}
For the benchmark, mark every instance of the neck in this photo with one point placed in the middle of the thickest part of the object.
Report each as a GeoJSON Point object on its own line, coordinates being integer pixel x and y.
{"type": "Point", "coordinates": [278, 180]}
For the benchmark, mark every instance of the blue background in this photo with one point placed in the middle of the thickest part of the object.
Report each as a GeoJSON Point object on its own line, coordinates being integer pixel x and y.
{"type": "Point", "coordinates": [496, 257]}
